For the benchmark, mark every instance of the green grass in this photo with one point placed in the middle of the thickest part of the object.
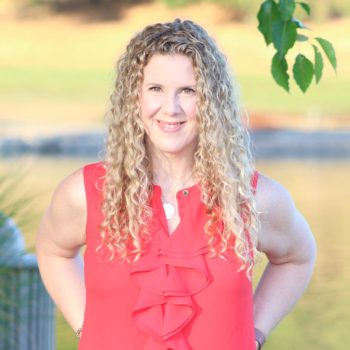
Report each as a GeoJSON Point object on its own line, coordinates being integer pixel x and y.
{"type": "Point", "coordinates": [260, 93]}
{"type": "Point", "coordinates": [64, 71]}
{"type": "Point", "coordinates": [320, 320]}
{"type": "Point", "coordinates": [69, 84]}
{"type": "Point", "coordinates": [257, 91]}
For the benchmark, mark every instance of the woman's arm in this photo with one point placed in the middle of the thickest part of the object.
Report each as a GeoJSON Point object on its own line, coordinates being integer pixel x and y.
{"type": "Point", "coordinates": [60, 236]}
{"type": "Point", "coordinates": [286, 239]}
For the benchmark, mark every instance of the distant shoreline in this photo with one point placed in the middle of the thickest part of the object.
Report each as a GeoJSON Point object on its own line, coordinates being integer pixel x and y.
{"type": "Point", "coordinates": [266, 143]}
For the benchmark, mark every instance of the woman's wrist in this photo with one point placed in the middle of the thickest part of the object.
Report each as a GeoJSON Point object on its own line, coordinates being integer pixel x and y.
{"type": "Point", "coordinates": [260, 338]}
{"type": "Point", "coordinates": [78, 332]}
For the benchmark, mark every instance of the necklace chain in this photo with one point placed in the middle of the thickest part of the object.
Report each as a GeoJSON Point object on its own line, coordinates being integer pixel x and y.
{"type": "Point", "coordinates": [169, 208]}
{"type": "Point", "coordinates": [183, 183]}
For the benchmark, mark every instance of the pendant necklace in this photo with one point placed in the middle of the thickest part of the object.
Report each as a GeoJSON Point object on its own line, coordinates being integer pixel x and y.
{"type": "Point", "coordinates": [169, 209]}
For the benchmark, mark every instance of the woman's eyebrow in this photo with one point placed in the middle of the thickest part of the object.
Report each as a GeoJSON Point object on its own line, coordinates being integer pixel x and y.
{"type": "Point", "coordinates": [180, 87]}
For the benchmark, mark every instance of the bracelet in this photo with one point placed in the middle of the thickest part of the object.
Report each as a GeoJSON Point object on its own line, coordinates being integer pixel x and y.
{"type": "Point", "coordinates": [78, 332]}
{"type": "Point", "coordinates": [260, 338]}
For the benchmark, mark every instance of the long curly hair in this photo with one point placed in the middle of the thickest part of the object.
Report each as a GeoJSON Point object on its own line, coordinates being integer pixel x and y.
{"type": "Point", "coordinates": [222, 159]}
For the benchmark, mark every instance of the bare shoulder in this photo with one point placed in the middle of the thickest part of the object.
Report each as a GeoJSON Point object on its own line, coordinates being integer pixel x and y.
{"type": "Point", "coordinates": [284, 234]}
{"type": "Point", "coordinates": [274, 202]}
{"type": "Point", "coordinates": [62, 230]}
{"type": "Point", "coordinates": [71, 192]}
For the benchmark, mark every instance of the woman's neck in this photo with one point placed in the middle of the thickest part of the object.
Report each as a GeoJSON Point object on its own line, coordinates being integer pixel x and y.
{"type": "Point", "coordinates": [172, 172]}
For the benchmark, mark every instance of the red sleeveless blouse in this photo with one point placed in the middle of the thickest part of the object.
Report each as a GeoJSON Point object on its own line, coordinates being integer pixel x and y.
{"type": "Point", "coordinates": [174, 297]}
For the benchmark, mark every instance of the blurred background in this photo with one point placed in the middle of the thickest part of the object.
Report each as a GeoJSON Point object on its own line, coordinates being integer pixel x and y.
{"type": "Point", "coordinates": [56, 74]}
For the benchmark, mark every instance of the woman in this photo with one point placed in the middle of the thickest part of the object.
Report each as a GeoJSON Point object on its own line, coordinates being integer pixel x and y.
{"type": "Point", "coordinates": [170, 218]}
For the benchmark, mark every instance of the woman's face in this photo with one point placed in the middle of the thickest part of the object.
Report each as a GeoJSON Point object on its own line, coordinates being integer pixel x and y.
{"type": "Point", "coordinates": [168, 104]}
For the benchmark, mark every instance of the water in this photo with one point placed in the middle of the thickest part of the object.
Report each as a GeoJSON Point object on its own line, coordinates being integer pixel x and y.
{"type": "Point", "coordinates": [321, 191]}
{"type": "Point", "coordinates": [266, 144]}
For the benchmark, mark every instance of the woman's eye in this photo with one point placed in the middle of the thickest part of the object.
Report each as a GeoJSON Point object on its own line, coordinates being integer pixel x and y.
{"type": "Point", "coordinates": [155, 89]}
{"type": "Point", "coordinates": [188, 91]}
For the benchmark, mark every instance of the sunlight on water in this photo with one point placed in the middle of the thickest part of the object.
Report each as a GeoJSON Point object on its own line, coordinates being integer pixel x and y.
{"type": "Point", "coordinates": [321, 191]}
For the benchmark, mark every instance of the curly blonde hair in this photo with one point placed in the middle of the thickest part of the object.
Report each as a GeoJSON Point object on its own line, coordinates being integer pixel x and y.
{"type": "Point", "coordinates": [222, 160]}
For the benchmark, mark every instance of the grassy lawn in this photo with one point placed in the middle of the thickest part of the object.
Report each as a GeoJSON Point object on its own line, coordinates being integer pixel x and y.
{"type": "Point", "coordinates": [60, 69]}
{"type": "Point", "coordinates": [41, 83]}
{"type": "Point", "coordinates": [78, 86]}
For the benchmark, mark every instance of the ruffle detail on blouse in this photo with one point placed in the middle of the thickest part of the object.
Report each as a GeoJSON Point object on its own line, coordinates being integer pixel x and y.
{"type": "Point", "coordinates": [168, 279]}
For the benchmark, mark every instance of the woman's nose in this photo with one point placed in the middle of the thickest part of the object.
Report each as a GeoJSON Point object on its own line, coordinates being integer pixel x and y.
{"type": "Point", "coordinates": [171, 104]}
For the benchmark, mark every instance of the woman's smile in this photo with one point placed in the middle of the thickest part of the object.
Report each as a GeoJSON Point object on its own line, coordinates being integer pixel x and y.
{"type": "Point", "coordinates": [169, 104]}
{"type": "Point", "coordinates": [170, 126]}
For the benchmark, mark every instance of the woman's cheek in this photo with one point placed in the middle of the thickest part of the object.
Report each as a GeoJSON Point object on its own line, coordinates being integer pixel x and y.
{"type": "Point", "coordinates": [152, 106]}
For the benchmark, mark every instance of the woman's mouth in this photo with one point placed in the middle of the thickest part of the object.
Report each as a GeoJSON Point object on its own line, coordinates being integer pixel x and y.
{"type": "Point", "coordinates": [170, 127]}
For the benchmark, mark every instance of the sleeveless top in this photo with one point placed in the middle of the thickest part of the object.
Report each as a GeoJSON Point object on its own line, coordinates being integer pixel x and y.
{"type": "Point", "coordinates": [175, 297]}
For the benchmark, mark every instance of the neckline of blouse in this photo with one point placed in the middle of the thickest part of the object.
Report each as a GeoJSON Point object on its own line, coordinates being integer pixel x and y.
{"type": "Point", "coordinates": [184, 191]}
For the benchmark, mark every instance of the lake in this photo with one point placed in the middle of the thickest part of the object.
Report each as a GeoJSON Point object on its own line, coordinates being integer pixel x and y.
{"type": "Point", "coordinates": [321, 191]}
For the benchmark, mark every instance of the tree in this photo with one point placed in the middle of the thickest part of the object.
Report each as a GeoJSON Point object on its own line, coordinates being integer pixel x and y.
{"type": "Point", "coordinates": [279, 27]}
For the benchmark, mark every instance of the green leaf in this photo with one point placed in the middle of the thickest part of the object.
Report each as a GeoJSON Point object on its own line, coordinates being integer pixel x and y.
{"type": "Point", "coordinates": [318, 64]}
{"type": "Point", "coordinates": [306, 7]}
{"type": "Point", "coordinates": [286, 8]}
{"type": "Point", "coordinates": [267, 14]}
{"type": "Point", "coordinates": [299, 23]}
{"type": "Point", "coordinates": [301, 37]}
{"type": "Point", "coordinates": [303, 71]}
{"type": "Point", "coordinates": [279, 68]}
{"type": "Point", "coordinates": [329, 51]}
{"type": "Point", "coordinates": [284, 35]}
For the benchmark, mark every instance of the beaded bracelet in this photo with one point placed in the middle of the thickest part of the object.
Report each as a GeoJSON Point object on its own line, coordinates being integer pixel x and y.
{"type": "Point", "coordinates": [78, 332]}
{"type": "Point", "coordinates": [260, 338]}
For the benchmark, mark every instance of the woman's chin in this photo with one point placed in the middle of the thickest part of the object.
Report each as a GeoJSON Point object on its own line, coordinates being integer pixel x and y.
{"type": "Point", "coordinates": [174, 151]}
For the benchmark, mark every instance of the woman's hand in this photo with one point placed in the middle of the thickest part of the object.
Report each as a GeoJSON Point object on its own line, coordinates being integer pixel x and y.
{"type": "Point", "coordinates": [256, 345]}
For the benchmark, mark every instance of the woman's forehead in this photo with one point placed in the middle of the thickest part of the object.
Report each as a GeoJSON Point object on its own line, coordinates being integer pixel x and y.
{"type": "Point", "coordinates": [175, 67]}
